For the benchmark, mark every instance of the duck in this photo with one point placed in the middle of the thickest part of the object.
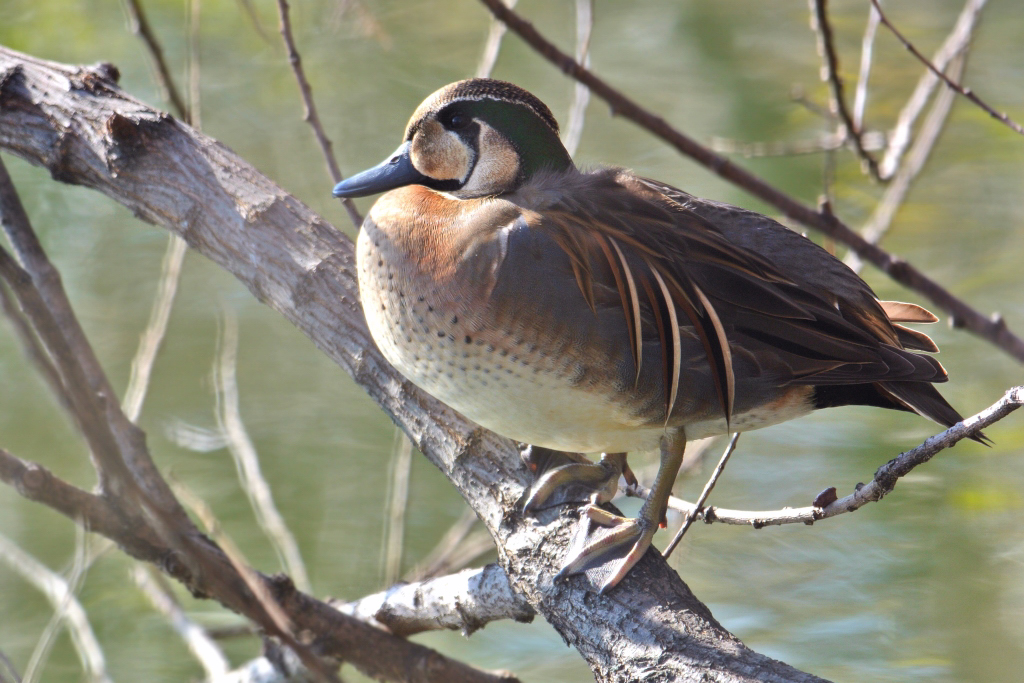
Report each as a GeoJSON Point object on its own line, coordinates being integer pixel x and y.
{"type": "Point", "coordinates": [598, 311]}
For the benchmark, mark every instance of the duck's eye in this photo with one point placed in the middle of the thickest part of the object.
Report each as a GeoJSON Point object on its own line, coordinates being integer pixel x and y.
{"type": "Point", "coordinates": [456, 120]}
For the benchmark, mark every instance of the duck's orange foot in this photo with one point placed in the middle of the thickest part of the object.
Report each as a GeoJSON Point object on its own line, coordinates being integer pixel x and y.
{"type": "Point", "coordinates": [607, 546]}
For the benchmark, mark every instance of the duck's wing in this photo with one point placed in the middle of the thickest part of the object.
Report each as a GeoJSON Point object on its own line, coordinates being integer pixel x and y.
{"type": "Point", "coordinates": [775, 298]}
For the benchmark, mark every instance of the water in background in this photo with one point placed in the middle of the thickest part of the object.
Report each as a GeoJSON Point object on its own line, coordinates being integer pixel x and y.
{"type": "Point", "coordinates": [926, 586]}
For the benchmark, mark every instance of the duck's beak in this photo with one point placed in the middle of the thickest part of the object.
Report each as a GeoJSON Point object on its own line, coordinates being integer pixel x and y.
{"type": "Point", "coordinates": [395, 171]}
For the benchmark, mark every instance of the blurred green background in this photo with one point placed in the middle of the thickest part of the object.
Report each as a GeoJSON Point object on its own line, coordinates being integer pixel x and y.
{"type": "Point", "coordinates": [926, 586]}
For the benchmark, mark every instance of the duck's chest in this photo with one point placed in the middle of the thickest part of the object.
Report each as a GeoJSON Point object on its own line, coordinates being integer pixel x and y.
{"type": "Point", "coordinates": [500, 363]}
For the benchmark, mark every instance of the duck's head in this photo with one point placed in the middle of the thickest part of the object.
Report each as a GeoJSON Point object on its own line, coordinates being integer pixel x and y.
{"type": "Point", "coordinates": [469, 139]}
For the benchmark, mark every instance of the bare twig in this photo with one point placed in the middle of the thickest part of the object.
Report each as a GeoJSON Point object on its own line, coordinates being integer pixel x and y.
{"type": "Point", "coordinates": [79, 568]}
{"type": "Point", "coordinates": [46, 280]}
{"type": "Point", "coordinates": [473, 547]}
{"type": "Point", "coordinates": [156, 329]}
{"type": "Point", "coordinates": [139, 25]}
{"type": "Point", "coordinates": [882, 217]}
{"type": "Point", "coordinates": [8, 674]}
{"type": "Point", "coordinates": [581, 94]}
{"type": "Point", "coordinates": [61, 595]}
{"type": "Point", "coordinates": [254, 18]}
{"type": "Point", "coordinates": [194, 102]}
{"type": "Point", "coordinates": [436, 562]}
{"type": "Point", "coordinates": [33, 348]}
{"type": "Point", "coordinates": [966, 92]}
{"type": "Point", "coordinates": [708, 487]}
{"type": "Point", "coordinates": [883, 482]}
{"type": "Point", "coordinates": [993, 329]}
{"type": "Point", "coordinates": [199, 643]}
{"type": "Point", "coordinates": [281, 621]}
{"type": "Point", "coordinates": [827, 142]}
{"type": "Point", "coordinates": [955, 44]}
{"type": "Point", "coordinates": [830, 74]}
{"type": "Point", "coordinates": [310, 115]}
{"type": "Point", "coordinates": [465, 601]}
{"type": "Point", "coordinates": [229, 631]}
{"type": "Point", "coordinates": [398, 501]}
{"type": "Point", "coordinates": [495, 32]}
{"type": "Point", "coordinates": [867, 45]}
{"type": "Point", "coordinates": [247, 462]}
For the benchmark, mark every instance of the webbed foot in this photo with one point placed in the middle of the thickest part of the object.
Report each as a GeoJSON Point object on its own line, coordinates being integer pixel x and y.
{"type": "Point", "coordinates": [614, 546]}
{"type": "Point", "coordinates": [606, 546]}
{"type": "Point", "coordinates": [570, 478]}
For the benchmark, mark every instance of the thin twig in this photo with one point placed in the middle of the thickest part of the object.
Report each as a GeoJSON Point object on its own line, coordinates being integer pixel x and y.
{"type": "Point", "coordinates": [966, 92]}
{"type": "Point", "coordinates": [827, 142]}
{"type": "Point", "coordinates": [156, 328]}
{"type": "Point", "coordinates": [955, 44]}
{"type": "Point", "coordinates": [79, 567]}
{"type": "Point", "coordinates": [310, 115]}
{"type": "Point", "coordinates": [282, 623]}
{"type": "Point", "coordinates": [867, 46]}
{"type": "Point", "coordinates": [471, 548]}
{"type": "Point", "coordinates": [199, 642]}
{"type": "Point", "coordinates": [254, 18]}
{"type": "Point", "coordinates": [398, 501]}
{"type": "Point", "coordinates": [33, 348]}
{"type": "Point", "coordinates": [581, 93]}
{"type": "Point", "coordinates": [435, 562]}
{"type": "Point", "coordinates": [830, 74]}
{"type": "Point", "coordinates": [993, 329]}
{"type": "Point", "coordinates": [883, 482]}
{"type": "Point", "coordinates": [892, 199]}
{"type": "Point", "coordinates": [495, 32]}
{"type": "Point", "coordinates": [708, 487]}
{"type": "Point", "coordinates": [8, 674]}
{"type": "Point", "coordinates": [195, 118]}
{"type": "Point", "coordinates": [139, 25]}
{"type": "Point", "coordinates": [250, 476]}
{"type": "Point", "coordinates": [61, 595]}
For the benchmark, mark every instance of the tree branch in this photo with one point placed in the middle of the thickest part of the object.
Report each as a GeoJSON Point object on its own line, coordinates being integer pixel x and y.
{"type": "Point", "coordinates": [966, 92]}
{"type": "Point", "coordinates": [955, 44]}
{"type": "Point", "coordinates": [465, 601]}
{"type": "Point", "coordinates": [830, 74]}
{"type": "Point", "coordinates": [310, 114]}
{"type": "Point", "coordinates": [826, 505]}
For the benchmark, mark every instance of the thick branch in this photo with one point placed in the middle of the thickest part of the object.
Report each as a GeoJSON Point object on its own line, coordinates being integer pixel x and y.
{"type": "Point", "coordinates": [84, 130]}
{"type": "Point", "coordinates": [465, 601]}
